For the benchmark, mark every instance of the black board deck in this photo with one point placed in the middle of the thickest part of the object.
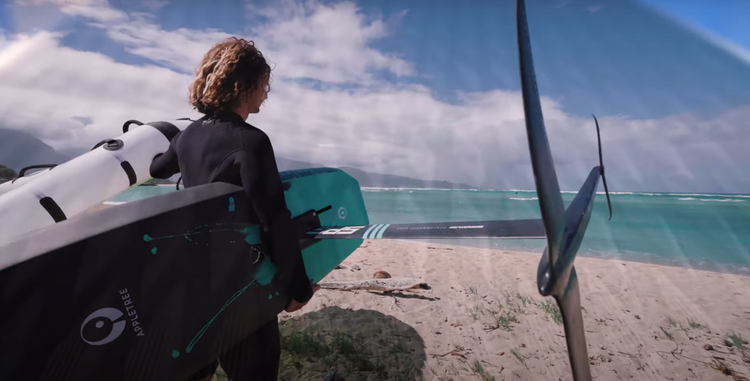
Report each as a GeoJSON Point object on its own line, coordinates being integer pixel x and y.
{"type": "Point", "coordinates": [171, 312]}
{"type": "Point", "coordinates": [520, 229]}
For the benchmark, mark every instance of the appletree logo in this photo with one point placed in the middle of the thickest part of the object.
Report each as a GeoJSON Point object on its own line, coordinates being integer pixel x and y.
{"type": "Point", "coordinates": [103, 326]}
{"type": "Point", "coordinates": [107, 324]}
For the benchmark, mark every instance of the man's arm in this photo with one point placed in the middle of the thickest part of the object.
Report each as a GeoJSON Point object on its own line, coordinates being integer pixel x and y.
{"type": "Point", "coordinates": [165, 165]}
{"type": "Point", "coordinates": [262, 184]}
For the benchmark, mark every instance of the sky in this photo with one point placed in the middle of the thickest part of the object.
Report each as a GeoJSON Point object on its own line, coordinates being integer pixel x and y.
{"type": "Point", "coordinates": [726, 21]}
{"type": "Point", "coordinates": [427, 89]}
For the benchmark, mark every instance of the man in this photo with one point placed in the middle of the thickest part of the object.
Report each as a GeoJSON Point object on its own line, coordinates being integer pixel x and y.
{"type": "Point", "coordinates": [232, 82]}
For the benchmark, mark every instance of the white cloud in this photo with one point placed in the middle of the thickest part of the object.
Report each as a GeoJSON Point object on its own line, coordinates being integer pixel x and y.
{"type": "Point", "coordinates": [152, 5]}
{"type": "Point", "coordinates": [326, 42]}
{"type": "Point", "coordinates": [47, 88]}
{"type": "Point", "coordinates": [61, 3]}
{"type": "Point", "coordinates": [180, 49]}
{"type": "Point", "coordinates": [310, 40]}
{"type": "Point", "coordinates": [53, 91]}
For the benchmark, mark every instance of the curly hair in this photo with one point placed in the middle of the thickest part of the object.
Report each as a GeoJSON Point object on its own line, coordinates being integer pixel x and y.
{"type": "Point", "coordinates": [226, 72]}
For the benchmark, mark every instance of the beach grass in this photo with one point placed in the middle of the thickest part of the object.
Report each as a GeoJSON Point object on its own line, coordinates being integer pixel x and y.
{"type": "Point", "coordinates": [517, 354]}
{"type": "Point", "coordinates": [735, 340]}
{"type": "Point", "coordinates": [671, 322]}
{"type": "Point", "coordinates": [483, 319]}
{"type": "Point", "coordinates": [479, 370]}
{"type": "Point", "coordinates": [332, 348]}
{"type": "Point", "coordinates": [695, 325]}
{"type": "Point", "coordinates": [549, 306]}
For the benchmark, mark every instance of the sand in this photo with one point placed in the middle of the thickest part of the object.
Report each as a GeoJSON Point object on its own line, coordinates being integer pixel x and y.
{"type": "Point", "coordinates": [483, 319]}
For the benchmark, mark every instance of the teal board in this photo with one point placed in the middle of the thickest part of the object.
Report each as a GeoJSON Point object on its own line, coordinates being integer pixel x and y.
{"type": "Point", "coordinates": [317, 188]}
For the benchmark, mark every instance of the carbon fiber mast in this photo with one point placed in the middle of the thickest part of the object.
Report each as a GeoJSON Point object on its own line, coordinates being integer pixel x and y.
{"type": "Point", "coordinates": [565, 229]}
{"type": "Point", "coordinates": [548, 190]}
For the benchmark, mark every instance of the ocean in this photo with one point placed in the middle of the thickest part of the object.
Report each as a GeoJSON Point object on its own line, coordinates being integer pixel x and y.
{"type": "Point", "coordinates": [702, 231]}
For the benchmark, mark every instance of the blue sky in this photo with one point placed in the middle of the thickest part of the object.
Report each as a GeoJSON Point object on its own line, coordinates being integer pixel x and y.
{"type": "Point", "coordinates": [617, 59]}
{"type": "Point", "coordinates": [727, 18]}
{"type": "Point", "coordinates": [594, 56]}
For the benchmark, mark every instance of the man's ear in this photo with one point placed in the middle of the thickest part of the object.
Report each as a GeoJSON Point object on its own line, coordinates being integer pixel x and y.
{"type": "Point", "coordinates": [251, 93]}
{"type": "Point", "coordinates": [244, 97]}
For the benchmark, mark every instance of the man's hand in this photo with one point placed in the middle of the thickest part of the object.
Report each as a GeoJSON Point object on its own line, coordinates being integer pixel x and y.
{"type": "Point", "coordinates": [295, 305]}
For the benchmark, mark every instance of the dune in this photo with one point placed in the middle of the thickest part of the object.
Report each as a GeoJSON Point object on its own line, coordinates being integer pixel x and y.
{"type": "Point", "coordinates": [483, 319]}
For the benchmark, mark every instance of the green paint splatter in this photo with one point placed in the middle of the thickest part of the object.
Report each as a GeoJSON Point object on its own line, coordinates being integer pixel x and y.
{"type": "Point", "coordinates": [277, 293]}
{"type": "Point", "coordinates": [263, 276]}
{"type": "Point", "coordinates": [266, 272]}
{"type": "Point", "coordinates": [270, 296]}
{"type": "Point", "coordinates": [252, 235]}
{"type": "Point", "coordinates": [231, 204]}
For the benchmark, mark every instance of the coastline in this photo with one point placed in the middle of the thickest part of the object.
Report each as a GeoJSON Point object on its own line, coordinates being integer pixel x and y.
{"type": "Point", "coordinates": [634, 257]}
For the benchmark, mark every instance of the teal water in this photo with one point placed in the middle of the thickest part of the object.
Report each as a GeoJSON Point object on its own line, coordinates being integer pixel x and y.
{"type": "Point", "coordinates": [693, 230]}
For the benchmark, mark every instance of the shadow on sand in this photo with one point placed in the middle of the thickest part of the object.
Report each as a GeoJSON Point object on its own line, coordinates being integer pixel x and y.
{"type": "Point", "coordinates": [362, 345]}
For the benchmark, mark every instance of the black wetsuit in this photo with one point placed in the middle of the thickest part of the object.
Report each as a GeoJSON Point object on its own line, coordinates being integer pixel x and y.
{"type": "Point", "coordinates": [227, 149]}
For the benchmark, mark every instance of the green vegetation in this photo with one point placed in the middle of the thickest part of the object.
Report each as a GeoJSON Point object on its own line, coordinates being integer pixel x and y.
{"type": "Point", "coordinates": [328, 348]}
{"type": "Point", "coordinates": [693, 324]}
{"type": "Point", "coordinates": [519, 357]}
{"type": "Point", "coordinates": [512, 301]}
{"type": "Point", "coordinates": [667, 333]}
{"type": "Point", "coordinates": [550, 307]}
{"type": "Point", "coordinates": [504, 313]}
{"type": "Point", "coordinates": [479, 370]}
{"type": "Point", "coordinates": [501, 319]}
{"type": "Point", "coordinates": [735, 340]}
{"type": "Point", "coordinates": [476, 311]}
{"type": "Point", "coordinates": [671, 322]}
{"type": "Point", "coordinates": [309, 352]}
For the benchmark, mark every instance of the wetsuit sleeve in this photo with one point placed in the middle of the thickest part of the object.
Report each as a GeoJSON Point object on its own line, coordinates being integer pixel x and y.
{"type": "Point", "coordinates": [165, 165]}
{"type": "Point", "coordinates": [262, 184]}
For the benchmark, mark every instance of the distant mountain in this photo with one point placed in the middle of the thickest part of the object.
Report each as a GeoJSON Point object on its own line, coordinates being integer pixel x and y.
{"type": "Point", "coordinates": [290, 165]}
{"type": "Point", "coordinates": [74, 152]}
{"type": "Point", "coordinates": [367, 179]}
{"type": "Point", "coordinates": [20, 149]}
{"type": "Point", "coordinates": [6, 174]}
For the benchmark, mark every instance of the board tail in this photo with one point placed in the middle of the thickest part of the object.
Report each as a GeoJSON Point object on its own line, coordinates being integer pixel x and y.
{"type": "Point", "coordinates": [565, 229]}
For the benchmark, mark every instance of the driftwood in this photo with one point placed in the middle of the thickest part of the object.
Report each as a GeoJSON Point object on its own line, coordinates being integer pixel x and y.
{"type": "Point", "coordinates": [385, 285]}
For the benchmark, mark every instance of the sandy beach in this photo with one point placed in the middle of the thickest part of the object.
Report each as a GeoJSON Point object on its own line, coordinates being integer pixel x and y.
{"type": "Point", "coordinates": [482, 319]}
